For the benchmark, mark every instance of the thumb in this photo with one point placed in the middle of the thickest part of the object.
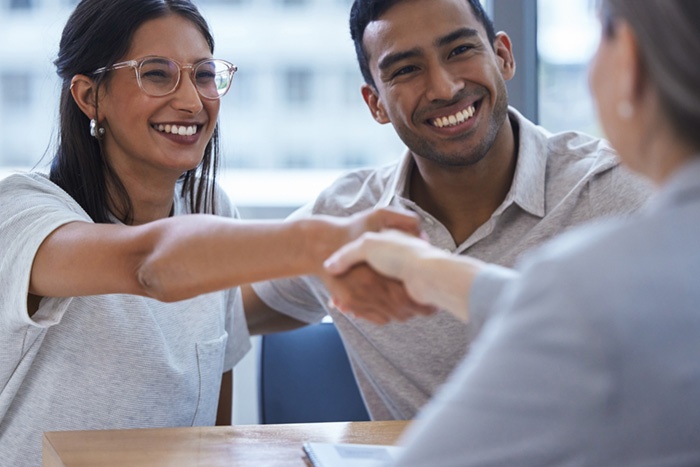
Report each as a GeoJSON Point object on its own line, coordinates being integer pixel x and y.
{"type": "Point", "coordinates": [345, 258]}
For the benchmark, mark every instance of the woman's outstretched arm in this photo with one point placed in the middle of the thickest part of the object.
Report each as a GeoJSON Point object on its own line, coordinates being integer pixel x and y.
{"type": "Point", "coordinates": [181, 257]}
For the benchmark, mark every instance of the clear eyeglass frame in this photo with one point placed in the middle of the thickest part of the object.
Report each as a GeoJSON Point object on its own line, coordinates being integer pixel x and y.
{"type": "Point", "coordinates": [224, 69]}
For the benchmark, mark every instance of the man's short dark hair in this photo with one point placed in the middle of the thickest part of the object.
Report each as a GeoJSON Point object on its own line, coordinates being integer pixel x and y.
{"type": "Point", "coordinates": [364, 12]}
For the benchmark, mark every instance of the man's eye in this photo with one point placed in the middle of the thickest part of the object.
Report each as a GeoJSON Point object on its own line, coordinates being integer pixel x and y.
{"type": "Point", "coordinates": [404, 71]}
{"type": "Point", "coordinates": [460, 50]}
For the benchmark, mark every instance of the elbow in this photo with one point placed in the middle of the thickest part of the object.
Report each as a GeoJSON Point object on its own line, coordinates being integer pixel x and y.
{"type": "Point", "coordinates": [152, 282]}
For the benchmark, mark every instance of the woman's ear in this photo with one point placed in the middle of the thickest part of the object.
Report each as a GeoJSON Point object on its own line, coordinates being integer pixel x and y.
{"type": "Point", "coordinates": [632, 82]}
{"type": "Point", "coordinates": [84, 92]}
{"type": "Point", "coordinates": [374, 103]}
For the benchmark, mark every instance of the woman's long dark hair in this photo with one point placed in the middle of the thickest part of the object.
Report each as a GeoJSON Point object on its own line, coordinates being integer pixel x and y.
{"type": "Point", "coordinates": [98, 34]}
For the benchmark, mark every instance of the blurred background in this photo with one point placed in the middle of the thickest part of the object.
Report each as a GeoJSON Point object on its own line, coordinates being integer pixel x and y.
{"type": "Point", "coordinates": [294, 118]}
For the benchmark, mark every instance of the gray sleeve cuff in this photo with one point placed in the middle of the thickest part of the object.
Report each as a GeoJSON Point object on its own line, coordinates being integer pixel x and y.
{"type": "Point", "coordinates": [296, 297]}
{"type": "Point", "coordinates": [486, 290]}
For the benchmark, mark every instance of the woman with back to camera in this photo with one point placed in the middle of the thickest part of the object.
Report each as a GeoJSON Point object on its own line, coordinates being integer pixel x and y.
{"type": "Point", "coordinates": [589, 356]}
{"type": "Point", "coordinates": [117, 280]}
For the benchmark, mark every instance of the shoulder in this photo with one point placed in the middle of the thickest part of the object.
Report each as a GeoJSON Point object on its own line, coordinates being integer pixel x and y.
{"type": "Point", "coordinates": [590, 158]}
{"type": "Point", "coordinates": [580, 153]}
{"type": "Point", "coordinates": [579, 159]}
{"type": "Point", "coordinates": [568, 157]}
{"type": "Point", "coordinates": [355, 191]}
{"type": "Point", "coordinates": [27, 182]}
{"type": "Point", "coordinates": [594, 261]}
{"type": "Point", "coordinates": [615, 276]}
{"type": "Point", "coordinates": [32, 189]}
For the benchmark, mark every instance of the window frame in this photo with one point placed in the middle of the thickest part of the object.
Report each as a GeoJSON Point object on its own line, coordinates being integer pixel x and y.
{"type": "Point", "coordinates": [519, 20]}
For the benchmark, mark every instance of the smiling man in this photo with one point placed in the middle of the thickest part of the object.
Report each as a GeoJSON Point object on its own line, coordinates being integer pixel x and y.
{"type": "Point", "coordinates": [485, 181]}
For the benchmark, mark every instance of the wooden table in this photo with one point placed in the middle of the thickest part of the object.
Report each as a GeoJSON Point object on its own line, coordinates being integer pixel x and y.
{"type": "Point", "coordinates": [242, 445]}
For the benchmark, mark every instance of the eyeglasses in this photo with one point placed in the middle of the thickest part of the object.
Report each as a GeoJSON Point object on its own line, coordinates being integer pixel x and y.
{"type": "Point", "coordinates": [160, 76]}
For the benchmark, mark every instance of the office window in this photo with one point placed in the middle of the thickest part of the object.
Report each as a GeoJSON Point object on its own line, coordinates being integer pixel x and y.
{"type": "Point", "coordinates": [227, 2]}
{"type": "Point", "coordinates": [21, 4]}
{"type": "Point", "coordinates": [297, 160]}
{"type": "Point", "coordinates": [243, 88]}
{"type": "Point", "coordinates": [15, 89]}
{"type": "Point", "coordinates": [356, 159]}
{"type": "Point", "coordinates": [567, 38]}
{"type": "Point", "coordinates": [294, 2]}
{"type": "Point", "coordinates": [351, 83]}
{"type": "Point", "coordinates": [298, 85]}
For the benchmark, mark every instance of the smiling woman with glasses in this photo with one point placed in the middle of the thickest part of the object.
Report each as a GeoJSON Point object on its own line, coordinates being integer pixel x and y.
{"type": "Point", "coordinates": [119, 270]}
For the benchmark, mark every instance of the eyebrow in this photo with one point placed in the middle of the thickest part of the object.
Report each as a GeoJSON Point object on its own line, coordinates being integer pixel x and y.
{"type": "Point", "coordinates": [391, 59]}
{"type": "Point", "coordinates": [461, 33]}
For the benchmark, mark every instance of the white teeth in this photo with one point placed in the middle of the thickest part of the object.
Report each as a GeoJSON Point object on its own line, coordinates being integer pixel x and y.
{"type": "Point", "coordinates": [177, 130]}
{"type": "Point", "coordinates": [455, 119]}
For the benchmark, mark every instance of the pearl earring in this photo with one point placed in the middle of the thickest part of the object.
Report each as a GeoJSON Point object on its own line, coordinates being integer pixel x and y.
{"type": "Point", "coordinates": [625, 110]}
{"type": "Point", "coordinates": [95, 131]}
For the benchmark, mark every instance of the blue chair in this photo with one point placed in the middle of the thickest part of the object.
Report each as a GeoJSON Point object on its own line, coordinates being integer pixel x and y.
{"type": "Point", "coordinates": [305, 376]}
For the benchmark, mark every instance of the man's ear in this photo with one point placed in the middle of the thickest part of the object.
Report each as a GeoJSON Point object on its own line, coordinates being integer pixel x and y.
{"type": "Point", "coordinates": [374, 103]}
{"type": "Point", "coordinates": [84, 92]}
{"type": "Point", "coordinates": [504, 55]}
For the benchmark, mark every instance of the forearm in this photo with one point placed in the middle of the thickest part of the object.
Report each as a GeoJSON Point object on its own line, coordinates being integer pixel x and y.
{"type": "Point", "coordinates": [185, 256]}
{"type": "Point", "coordinates": [262, 319]}
{"type": "Point", "coordinates": [171, 259]}
{"type": "Point", "coordinates": [207, 253]}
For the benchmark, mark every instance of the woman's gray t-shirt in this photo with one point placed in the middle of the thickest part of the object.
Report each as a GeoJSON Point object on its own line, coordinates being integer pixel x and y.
{"type": "Point", "coordinates": [106, 361]}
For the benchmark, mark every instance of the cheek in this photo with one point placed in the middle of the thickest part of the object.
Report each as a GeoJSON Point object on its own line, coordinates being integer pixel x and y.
{"type": "Point", "coordinates": [212, 109]}
{"type": "Point", "coordinates": [401, 104]}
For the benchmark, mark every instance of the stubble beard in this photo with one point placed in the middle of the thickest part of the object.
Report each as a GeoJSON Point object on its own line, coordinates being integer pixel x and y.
{"type": "Point", "coordinates": [468, 157]}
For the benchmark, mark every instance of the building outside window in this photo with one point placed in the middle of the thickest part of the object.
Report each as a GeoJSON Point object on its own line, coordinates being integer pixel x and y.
{"type": "Point", "coordinates": [15, 90]}
{"type": "Point", "coordinates": [295, 103]}
{"type": "Point", "coordinates": [298, 86]}
{"type": "Point", "coordinates": [20, 4]}
{"type": "Point", "coordinates": [567, 38]}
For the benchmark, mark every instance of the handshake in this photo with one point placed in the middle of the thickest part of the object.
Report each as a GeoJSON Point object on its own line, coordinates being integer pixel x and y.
{"type": "Point", "coordinates": [387, 270]}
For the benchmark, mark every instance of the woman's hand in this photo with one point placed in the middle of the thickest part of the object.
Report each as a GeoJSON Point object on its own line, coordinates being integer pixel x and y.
{"type": "Point", "coordinates": [432, 277]}
{"type": "Point", "coordinates": [363, 292]}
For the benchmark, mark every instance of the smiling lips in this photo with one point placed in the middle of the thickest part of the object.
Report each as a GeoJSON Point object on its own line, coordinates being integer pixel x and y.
{"type": "Point", "coordinates": [181, 130]}
{"type": "Point", "coordinates": [455, 119]}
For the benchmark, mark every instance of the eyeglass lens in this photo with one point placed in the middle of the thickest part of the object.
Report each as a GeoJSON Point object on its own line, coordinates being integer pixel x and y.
{"type": "Point", "coordinates": [159, 77]}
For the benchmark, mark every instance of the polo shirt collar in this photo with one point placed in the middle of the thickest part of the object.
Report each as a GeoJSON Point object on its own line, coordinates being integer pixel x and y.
{"type": "Point", "coordinates": [397, 188]}
{"type": "Point", "coordinates": [528, 185]}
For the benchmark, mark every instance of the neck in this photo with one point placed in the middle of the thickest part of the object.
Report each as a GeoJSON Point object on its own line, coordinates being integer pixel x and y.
{"type": "Point", "coordinates": [464, 198]}
{"type": "Point", "coordinates": [150, 200]}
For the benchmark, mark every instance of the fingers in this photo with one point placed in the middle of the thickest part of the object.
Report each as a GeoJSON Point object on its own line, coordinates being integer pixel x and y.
{"type": "Point", "coordinates": [391, 218]}
{"type": "Point", "coordinates": [363, 293]}
{"type": "Point", "coordinates": [387, 252]}
{"type": "Point", "coordinates": [346, 257]}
